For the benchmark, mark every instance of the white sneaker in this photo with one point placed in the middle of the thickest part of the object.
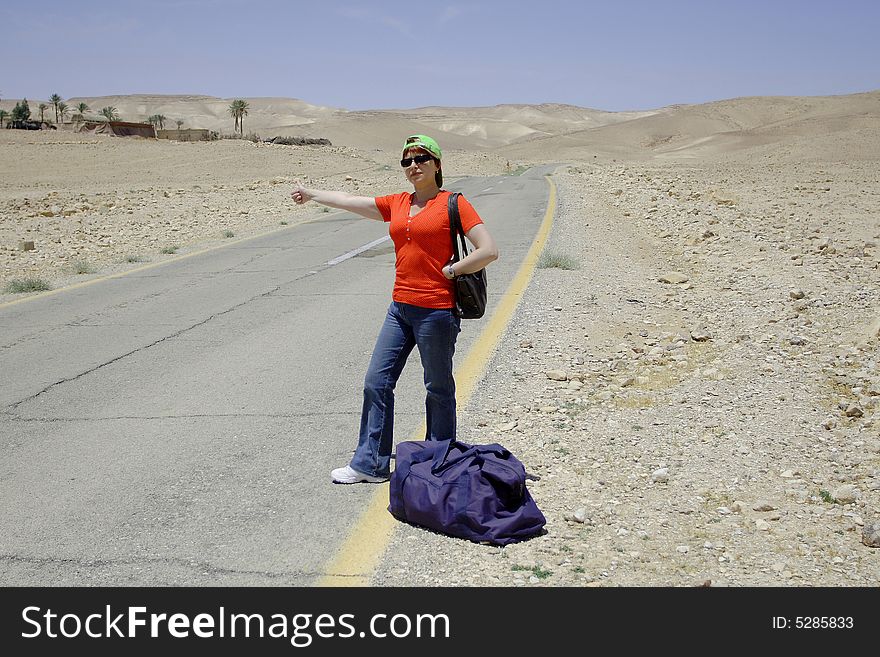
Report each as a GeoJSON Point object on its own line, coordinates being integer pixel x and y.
{"type": "Point", "coordinates": [349, 475]}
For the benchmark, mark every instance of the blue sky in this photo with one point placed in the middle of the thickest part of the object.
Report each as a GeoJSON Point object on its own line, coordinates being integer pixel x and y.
{"type": "Point", "coordinates": [611, 55]}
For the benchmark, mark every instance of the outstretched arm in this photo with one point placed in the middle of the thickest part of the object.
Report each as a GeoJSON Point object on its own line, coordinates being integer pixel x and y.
{"type": "Point", "coordinates": [362, 205]}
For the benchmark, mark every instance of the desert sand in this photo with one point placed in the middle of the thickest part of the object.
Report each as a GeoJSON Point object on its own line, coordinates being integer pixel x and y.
{"type": "Point", "coordinates": [698, 394]}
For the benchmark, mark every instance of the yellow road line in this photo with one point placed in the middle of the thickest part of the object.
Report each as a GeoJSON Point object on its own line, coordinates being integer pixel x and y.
{"type": "Point", "coordinates": [359, 555]}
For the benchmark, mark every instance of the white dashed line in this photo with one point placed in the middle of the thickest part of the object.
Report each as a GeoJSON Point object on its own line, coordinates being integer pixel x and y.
{"type": "Point", "coordinates": [360, 249]}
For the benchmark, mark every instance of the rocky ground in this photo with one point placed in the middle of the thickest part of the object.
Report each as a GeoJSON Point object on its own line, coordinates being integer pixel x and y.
{"type": "Point", "coordinates": [699, 397]}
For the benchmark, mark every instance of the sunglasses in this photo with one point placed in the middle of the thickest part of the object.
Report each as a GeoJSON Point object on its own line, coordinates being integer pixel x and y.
{"type": "Point", "coordinates": [418, 159]}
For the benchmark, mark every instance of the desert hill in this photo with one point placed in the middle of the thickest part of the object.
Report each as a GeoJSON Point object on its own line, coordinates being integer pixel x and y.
{"type": "Point", "coordinates": [462, 127]}
{"type": "Point", "coordinates": [542, 132]}
{"type": "Point", "coordinates": [688, 131]}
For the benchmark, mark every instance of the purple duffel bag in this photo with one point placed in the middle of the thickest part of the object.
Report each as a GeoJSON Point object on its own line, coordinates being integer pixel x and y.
{"type": "Point", "coordinates": [477, 492]}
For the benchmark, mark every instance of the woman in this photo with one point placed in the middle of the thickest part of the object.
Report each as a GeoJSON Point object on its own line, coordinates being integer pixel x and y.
{"type": "Point", "coordinates": [422, 309]}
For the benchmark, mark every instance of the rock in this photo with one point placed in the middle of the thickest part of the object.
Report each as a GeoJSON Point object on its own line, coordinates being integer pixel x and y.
{"type": "Point", "coordinates": [674, 278]}
{"type": "Point", "coordinates": [796, 294]}
{"type": "Point", "coordinates": [557, 375]}
{"type": "Point", "coordinates": [580, 515]}
{"type": "Point", "coordinates": [700, 336]}
{"type": "Point", "coordinates": [764, 507]}
{"type": "Point", "coordinates": [846, 494]}
{"type": "Point", "coordinates": [762, 525]}
{"type": "Point", "coordinates": [871, 535]}
{"type": "Point", "coordinates": [853, 410]}
{"type": "Point", "coordinates": [682, 549]}
{"type": "Point", "coordinates": [660, 476]}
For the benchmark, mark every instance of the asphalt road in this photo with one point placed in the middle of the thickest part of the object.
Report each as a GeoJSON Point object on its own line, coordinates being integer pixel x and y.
{"type": "Point", "coordinates": [176, 426]}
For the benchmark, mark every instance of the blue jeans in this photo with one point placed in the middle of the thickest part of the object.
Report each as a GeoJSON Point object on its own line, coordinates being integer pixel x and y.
{"type": "Point", "coordinates": [434, 331]}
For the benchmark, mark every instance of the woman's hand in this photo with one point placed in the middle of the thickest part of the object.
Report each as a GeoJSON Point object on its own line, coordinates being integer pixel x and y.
{"type": "Point", "coordinates": [449, 270]}
{"type": "Point", "coordinates": [300, 194]}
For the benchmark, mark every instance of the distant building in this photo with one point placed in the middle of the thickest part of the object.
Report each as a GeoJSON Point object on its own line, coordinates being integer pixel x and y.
{"type": "Point", "coordinates": [117, 128]}
{"type": "Point", "coordinates": [187, 134]}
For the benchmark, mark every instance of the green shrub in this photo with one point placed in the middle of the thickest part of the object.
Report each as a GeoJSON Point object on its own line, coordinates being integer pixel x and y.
{"type": "Point", "coordinates": [20, 285]}
{"type": "Point", "coordinates": [82, 267]}
{"type": "Point", "coordinates": [553, 260]}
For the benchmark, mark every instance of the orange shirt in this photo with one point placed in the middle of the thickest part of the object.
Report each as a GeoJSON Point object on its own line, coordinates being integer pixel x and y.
{"type": "Point", "coordinates": [423, 247]}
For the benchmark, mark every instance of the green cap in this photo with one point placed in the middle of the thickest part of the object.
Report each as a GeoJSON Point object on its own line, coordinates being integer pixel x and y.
{"type": "Point", "coordinates": [425, 143]}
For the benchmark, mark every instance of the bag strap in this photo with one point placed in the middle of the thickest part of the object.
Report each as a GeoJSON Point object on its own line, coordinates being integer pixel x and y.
{"type": "Point", "coordinates": [455, 228]}
{"type": "Point", "coordinates": [442, 461]}
{"type": "Point", "coordinates": [441, 453]}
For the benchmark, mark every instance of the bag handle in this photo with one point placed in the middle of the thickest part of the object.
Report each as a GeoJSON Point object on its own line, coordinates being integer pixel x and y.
{"type": "Point", "coordinates": [455, 228]}
{"type": "Point", "coordinates": [503, 476]}
{"type": "Point", "coordinates": [441, 461]}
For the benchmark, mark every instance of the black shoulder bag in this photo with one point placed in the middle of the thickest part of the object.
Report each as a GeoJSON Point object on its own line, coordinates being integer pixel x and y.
{"type": "Point", "coordinates": [470, 289]}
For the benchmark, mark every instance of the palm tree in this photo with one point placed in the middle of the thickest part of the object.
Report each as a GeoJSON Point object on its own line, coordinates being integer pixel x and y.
{"type": "Point", "coordinates": [42, 107]}
{"type": "Point", "coordinates": [239, 109]}
{"type": "Point", "coordinates": [110, 113]}
{"type": "Point", "coordinates": [82, 108]}
{"type": "Point", "coordinates": [55, 99]}
{"type": "Point", "coordinates": [242, 112]}
{"type": "Point", "coordinates": [233, 110]}
{"type": "Point", "coordinates": [3, 115]}
{"type": "Point", "coordinates": [62, 110]}
{"type": "Point", "coordinates": [160, 119]}
{"type": "Point", "coordinates": [179, 123]}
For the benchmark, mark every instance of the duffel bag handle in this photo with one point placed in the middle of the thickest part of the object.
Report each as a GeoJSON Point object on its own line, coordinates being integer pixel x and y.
{"type": "Point", "coordinates": [441, 460]}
